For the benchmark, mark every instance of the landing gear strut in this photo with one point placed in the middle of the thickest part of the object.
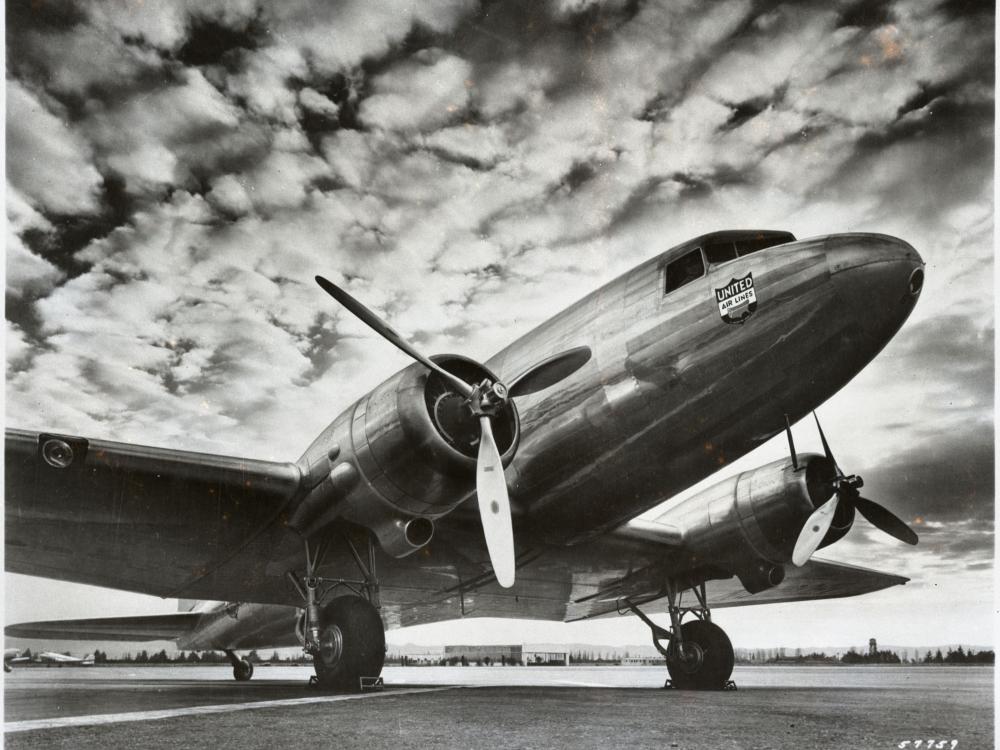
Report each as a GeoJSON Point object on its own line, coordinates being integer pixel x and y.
{"type": "Point", "coordinates": [242, 669]}
{"type": "Point", "coordinates": [698, 652]}
{"type": "Point", "coordinates": [345, 637]}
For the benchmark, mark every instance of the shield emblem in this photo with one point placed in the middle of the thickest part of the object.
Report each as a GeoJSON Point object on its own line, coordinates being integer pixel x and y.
{"type": "Point", "coordinates": [737, 300]}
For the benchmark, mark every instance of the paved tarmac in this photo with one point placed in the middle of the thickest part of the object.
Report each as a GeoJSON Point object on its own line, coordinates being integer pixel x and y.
{"type": "Point", "coordinates": [487, 707]}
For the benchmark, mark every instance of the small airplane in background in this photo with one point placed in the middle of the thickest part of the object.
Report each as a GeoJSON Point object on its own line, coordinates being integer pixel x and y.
{"type": "Point", "coordinates": [615, 405]}
{"type": "Point", "coordinates": [13, 656]}
{"type": "Point", "coordinates": [57, 658]}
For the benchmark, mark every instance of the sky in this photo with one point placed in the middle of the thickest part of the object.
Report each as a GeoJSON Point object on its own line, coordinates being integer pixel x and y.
{"type": "Point", "coordinates": [177, 173]}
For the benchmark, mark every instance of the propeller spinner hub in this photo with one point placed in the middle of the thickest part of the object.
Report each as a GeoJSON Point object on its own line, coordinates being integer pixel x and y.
{"type": "Point", "coordinates": [456, 417]}
{"type": "Point", "coordinates": [488, 398]}
{"type": "Point", "coordinates": [853, 481]}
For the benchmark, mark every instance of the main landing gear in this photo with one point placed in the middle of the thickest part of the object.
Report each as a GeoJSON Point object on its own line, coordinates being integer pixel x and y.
{"type": "Point", "coordinates": [345, 637]}
{"type": "Point", "coordinates": [242, 669]}
{"type": "Point", "coordinates": [698, 652]}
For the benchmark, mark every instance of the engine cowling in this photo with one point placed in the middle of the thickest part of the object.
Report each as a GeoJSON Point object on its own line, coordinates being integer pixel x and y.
{"type": "Point", "coordinates": [748, 524]}
{"type": "Point", "coordinates": [402, 455]}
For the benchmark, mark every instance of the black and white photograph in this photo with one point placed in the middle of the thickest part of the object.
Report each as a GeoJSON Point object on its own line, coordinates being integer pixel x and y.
{"type": "Point", "coordinates": [471, 373]}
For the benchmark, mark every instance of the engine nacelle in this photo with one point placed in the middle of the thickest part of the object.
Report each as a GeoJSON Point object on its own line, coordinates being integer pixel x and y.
{"type": "Point", "coordinates": [751, 521]}
{"type": "Point", "coordinates": [404, 454]}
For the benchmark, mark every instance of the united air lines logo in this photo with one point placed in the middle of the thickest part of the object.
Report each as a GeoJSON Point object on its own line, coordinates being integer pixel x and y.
{"type": "Point", "coordinates": [737, 299]}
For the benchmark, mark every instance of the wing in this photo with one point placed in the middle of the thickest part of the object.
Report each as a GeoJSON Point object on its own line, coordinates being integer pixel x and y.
{"type": "Point", "coordinates": [132, 517]}
{"type": "Point", "coordinates": [817, 579]}
{"type": "Point", "coordinates": [141, 628]}
{"type": "Point", "coordinates": [173, 523]}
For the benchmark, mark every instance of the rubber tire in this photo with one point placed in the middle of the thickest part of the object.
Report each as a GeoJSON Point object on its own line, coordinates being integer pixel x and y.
{"type": "Point", "coordinates": [243, 671]}
{"type": "Point", "coordinates": [717, 664]}
{"type": "Point", "coordinates": [363, 652]}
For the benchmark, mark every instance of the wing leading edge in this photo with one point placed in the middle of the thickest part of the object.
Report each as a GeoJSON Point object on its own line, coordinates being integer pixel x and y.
{"type": "Point", "coordinates": [139, 628]}
{"type": "Point", "coordinates": [817, 579]}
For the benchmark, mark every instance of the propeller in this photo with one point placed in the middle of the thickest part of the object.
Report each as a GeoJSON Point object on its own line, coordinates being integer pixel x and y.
{"type": "Point", "coordinates": [845, 491]}
{"type": "Point", "coordinates": [485, 400]}
{"type": "Point", "coordinates": [387, 332]}
{"type": "Point", "coordinates": [494, 506]}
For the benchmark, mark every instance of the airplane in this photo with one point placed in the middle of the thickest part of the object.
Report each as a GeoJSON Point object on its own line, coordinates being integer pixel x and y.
{"type": "Point", "coordinates": [15, 656]}
{"type": "Point", "coordinates": [60, 659]}
{"type": "Point", "coordinates": [509, 488]}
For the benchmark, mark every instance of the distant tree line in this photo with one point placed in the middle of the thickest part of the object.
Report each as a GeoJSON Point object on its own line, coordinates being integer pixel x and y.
{"type": "Point", "coordinates": [779, 656]}
{"type": "Point", "coordinates": [191, 657]}
{"type": "Point", "coordinates": [879, 657]}
{"type": "Point", "coordinates": [960, 656]}
{"type": "Point", "coordinates": [595, 657]}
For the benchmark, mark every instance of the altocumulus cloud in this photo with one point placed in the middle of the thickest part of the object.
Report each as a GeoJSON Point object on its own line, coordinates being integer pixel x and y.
{"type": "Point", "coordinates": [178, 172]}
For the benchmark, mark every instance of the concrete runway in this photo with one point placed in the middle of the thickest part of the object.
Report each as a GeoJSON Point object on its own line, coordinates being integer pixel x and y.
{"type": "Point", "coordinates": [486, 707]}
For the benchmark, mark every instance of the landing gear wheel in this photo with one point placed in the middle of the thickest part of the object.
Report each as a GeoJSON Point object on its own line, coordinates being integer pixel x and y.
{"type": "Point", "coordinates": [707, 659]}
{"type": "Point", "coordinates": [352, 644]}
{"type": "Point", "coordinates": [242, 670]}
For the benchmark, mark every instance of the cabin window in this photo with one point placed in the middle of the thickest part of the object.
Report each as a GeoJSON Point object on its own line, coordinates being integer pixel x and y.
{"type": "Point", "coordinates": [685, 269]}
{"type": "Point", "coordinates": [719, 252]}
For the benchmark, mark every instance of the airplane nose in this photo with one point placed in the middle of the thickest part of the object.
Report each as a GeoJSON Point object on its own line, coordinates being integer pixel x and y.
{"type": "Point", "coordinates": [847, 251]}
{"type": "Point", "coordinates": [878, 279]}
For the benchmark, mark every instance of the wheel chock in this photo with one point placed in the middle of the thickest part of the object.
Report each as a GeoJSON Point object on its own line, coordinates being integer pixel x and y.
{"type": "Point", "coordinates": [729, 685]}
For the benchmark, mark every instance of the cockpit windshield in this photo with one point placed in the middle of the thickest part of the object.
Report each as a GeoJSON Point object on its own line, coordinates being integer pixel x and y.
{"type": "Point", "coordinates": [690, 261]}
{"type": "Point", "coordinates": [721, 251]}
{"type": "Point", "coordinates": [752, 245]}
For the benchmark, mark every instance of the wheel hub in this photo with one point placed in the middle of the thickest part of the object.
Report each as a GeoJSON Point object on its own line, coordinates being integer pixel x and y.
{"type": "Point", "coordinates": [331, 645]}
{"type": "Point", "coordinates": [690, 656]}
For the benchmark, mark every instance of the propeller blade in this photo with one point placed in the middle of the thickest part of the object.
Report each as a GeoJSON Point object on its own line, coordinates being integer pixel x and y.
{"type": "Point", "coordinates": [826, 447]}
{"type": "Point", "coordinates": [791, 444]}
{"type": "Point", "coordinates": [550, 371]}
{"type": "Point", "coordinates": [882, 518]}
{"type": "Point", "coordinates": [386, 331]}
{"type": "Point", "coordinates": [494, 506]}
{"type": "Point", "coordinates": [814, 531]}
